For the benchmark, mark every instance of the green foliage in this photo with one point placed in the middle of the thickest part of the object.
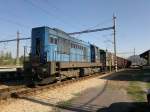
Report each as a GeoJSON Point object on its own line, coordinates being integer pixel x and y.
{"type": "Point", "coordinates": [68, 102]}
{"type": "Point", "coordinates": [7, 59]}
{"type": "Point", "coordinates": [148, 85]}
{"type": "Point", "coordinates": [77, 94]}
{"type": "Point", "coordinates": [136, 91]}
{"type": "Point", "coordinates": [65, 103]}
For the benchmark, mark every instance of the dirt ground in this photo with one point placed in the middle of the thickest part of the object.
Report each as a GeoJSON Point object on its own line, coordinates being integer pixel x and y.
{"type": "Point", "coordinates": [95, 99]}
{"type": "Point", "coordinates": [112, 97]}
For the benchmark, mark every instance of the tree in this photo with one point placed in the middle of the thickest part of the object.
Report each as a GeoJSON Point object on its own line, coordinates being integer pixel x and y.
{"type": "Point", "coordinates": [9, 55]}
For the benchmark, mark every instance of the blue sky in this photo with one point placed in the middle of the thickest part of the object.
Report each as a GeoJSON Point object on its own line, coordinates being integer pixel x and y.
{"type": "Point", "coordinates": [133, 21]}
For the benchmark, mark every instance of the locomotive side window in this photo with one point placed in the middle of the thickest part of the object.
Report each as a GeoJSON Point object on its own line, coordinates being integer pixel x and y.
{"type": "Point", "coordinates": [53, 40]}
{"type": "Point", "coordinates": [85, 52]}
{"type": "Point", "coordinates": [63, 46]}
{"type": "Point", "coordinates": [77, 46]}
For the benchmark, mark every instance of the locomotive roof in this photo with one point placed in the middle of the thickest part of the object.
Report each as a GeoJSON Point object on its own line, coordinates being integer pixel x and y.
{"type": "Point", "coordinates": [61, 31]}
{"type": "Point", "coordinates": [66, 34]}
{"type": "Point", "coordinates": [58, 31]}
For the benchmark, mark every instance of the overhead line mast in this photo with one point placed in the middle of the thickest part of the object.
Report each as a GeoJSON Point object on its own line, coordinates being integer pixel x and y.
{"type": "Point", "coordinates": [115, 50]}
{"type": "Point", "coordinates": [17, 53]}
{"type": "Point", "coordinates": [103, 29]}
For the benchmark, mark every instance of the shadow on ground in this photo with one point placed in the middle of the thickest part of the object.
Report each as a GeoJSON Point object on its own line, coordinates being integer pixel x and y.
{"type": "Point", "coordinates": [126, 107]}
{"type": "Point", "coordinates": [115, 107]}
{"type": "Point", "coordinates": [130, 75]}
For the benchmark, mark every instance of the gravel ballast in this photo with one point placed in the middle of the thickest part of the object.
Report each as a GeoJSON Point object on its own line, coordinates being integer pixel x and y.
{"type": "Point", "coordinates": [45, 101]}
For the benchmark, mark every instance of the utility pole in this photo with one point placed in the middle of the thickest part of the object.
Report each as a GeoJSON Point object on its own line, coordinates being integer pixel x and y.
{"type": "Point", "coordinates": [110, 63]}
{"type": "Point", "coordinates": [17, 53]}
{"type": "Point", "coordinates": [24, 53]}
{"type": "Point", "coordinates": [134, 57]}
{"type": "Point", "coordinates": [115, 51]}
{"type": "Point", "coordinates": [106, 60]}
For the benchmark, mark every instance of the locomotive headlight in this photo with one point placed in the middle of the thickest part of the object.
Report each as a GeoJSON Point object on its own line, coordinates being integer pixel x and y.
{"type": "Point", "coordinates": [44, 69]}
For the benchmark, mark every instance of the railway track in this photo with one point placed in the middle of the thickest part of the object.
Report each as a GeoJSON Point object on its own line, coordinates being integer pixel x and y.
{"type": "Point", "coordinates": [6, 93]}
{"type": "Point", "coordinates": [22, 91]}
{"type": "Point", "coordinates": [38, 89]}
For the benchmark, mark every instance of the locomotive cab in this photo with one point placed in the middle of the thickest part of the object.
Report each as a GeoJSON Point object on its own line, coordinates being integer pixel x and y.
{"type": "Point", "coordinates": [41, 71]}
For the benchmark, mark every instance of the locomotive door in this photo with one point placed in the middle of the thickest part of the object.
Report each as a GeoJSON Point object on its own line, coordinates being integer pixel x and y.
{"type": "Point", "coordinates": [38, 47]}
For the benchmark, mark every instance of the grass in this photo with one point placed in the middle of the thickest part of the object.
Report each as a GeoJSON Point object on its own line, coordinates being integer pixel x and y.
{"type": "Point", "coordinates": [148, 85]}
{"type": "Point", "coordinates": [68, 102]}
{"type": "Point", "coordinates": [65, 103]}
{"type": "Point", "coordinates": [77, 94]}
{"type": "Point", "coordinates": [136, 91]}
{"type": "Point", "coordinates": [136, 88]}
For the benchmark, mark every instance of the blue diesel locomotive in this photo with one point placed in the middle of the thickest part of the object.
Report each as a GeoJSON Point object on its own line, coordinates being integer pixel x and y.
{"type": "Point", "coordinates": [55, 55]}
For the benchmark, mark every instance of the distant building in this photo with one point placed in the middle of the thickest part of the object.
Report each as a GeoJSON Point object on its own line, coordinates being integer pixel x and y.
{"type": "Point", "coordinates": [146, 55]}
